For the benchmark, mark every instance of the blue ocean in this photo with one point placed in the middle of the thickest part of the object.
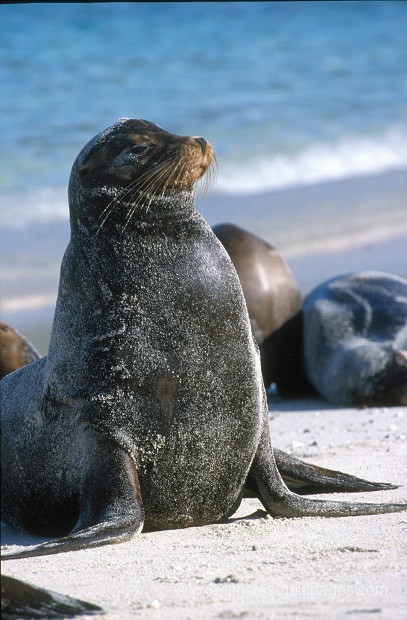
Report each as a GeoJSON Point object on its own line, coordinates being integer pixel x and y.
{"type": "Point", "coordinates": [287, 92]}
{"type": "Point", "coordinates": [290, 94]}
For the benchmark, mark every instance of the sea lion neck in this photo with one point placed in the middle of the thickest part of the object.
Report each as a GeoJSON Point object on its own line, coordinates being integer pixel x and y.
{"type": "Point", "coordinates": [111, 211]}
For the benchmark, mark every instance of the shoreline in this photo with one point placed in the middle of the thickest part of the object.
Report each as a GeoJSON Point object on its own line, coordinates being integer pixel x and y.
{"type": "Point", "coordinates": [322, 217]}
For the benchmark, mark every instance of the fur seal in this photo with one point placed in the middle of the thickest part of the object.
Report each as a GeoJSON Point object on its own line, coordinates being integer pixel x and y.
{"type": "Point", "coordinates": [355, 339]}
{"type": "Point", "coordinates": [15, 350]}
{"type": "Point", "coordinates": [274, 303]}
{"type": "Point", "coordinates": [150, 406]}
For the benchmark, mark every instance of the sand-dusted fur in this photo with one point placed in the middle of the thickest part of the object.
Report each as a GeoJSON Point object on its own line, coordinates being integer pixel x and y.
{"type": "Point", "coordinates": [274, 303]}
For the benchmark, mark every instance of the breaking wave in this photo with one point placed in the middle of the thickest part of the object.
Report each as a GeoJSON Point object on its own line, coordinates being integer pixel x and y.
{"type": "Point", "coordinates": [316, 164]}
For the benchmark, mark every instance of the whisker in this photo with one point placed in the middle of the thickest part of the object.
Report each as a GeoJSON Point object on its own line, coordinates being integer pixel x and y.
{"type": "Point", "coordinates": [129, 216]}
{"type": "Point", "coordinates": [154, 175]}
{"type": "Point", "coordinates": [209, 177]}
{"type": "Point", "coordinates": [145, 177]}
{"type": "Point", "coordinates": [131, 185]}
{"type": "Point", "coordinates": [174, 176]}
{"type": "Point", "coordinates": [154, 181]}
{"type": "Point", "coordinates": [166, 183]}
{"type": "Point", "coordinates": [112, 204]}
{"type": "Point", "coordinates": [154, 186]}
{"type": "Point", "coordinates": [115, 203]}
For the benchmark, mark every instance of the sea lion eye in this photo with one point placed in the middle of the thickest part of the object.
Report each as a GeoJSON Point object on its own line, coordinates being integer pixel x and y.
{"type": "Point", "coordinates": [138, 149]}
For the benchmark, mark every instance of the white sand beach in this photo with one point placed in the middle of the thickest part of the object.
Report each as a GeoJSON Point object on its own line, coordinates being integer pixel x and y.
{"type": "Point", "coordinates": [255, 566]}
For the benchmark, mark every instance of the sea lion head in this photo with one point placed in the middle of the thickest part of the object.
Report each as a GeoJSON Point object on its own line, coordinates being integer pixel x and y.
{"type": "Point", "coordinates": [134, 164]}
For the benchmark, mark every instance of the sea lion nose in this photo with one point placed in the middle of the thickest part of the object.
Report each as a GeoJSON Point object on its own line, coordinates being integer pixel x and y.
{"type": "Point", "coordinates": [202, 143]}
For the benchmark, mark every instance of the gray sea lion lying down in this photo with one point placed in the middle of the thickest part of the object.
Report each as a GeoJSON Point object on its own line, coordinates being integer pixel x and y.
{"type": "Point", "coordinates": [355, 339]}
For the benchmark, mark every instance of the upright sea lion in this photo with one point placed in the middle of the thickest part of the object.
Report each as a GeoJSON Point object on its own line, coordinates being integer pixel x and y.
{"type": "Point", "coordinates": [355, 342]}
{"type": "Point", "coordinates": [15, 350]}
{"type": "Point", "coordinates": [274, 303]}
{"type": "Point", "coordinates": [150, 405]}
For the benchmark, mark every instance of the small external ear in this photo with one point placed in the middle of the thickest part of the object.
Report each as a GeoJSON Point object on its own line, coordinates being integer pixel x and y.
{"type": "Point", "coordinates": [97, 159]}
{"type": "Point", "coordinates": [84, 170]}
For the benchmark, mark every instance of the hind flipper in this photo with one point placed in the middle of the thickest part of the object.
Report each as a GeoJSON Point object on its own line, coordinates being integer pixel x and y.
{"type": "Point", "coordinates": [308, 479]}
{"type": "Point", "coordinates": [265, 482]}
{"type": "Point", "coordinates": [111, 508]}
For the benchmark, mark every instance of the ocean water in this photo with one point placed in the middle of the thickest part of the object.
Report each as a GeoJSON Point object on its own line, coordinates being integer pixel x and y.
{"type": "Point", "coordinates": [289, 94]}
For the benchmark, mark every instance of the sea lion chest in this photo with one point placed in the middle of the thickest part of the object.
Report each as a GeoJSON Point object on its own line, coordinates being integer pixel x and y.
{"type": "Point", "coordinates": [167, 368]}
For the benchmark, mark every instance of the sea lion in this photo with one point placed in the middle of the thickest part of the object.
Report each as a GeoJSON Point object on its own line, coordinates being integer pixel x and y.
{"type": "Point", "coordinates": [150, 406]}
{"type": "Point", "coordinates": [274, 303]}
{"type": "Point", "coordinates": [355, 339]}
{"type": "Point", "coordinates": [15, 350]}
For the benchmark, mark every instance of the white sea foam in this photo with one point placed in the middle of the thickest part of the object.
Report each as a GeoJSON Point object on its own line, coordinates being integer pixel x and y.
{"type": "Point", "coordinates": [321, 162]}
{"type": "Point", "coordinates": [29, 302]}
{"type": "Point", "coordinates": [37, 205]}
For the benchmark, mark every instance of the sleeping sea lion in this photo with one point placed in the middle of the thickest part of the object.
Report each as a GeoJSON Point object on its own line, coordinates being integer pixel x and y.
{"type": "Point", "coordinates": [355, 339]}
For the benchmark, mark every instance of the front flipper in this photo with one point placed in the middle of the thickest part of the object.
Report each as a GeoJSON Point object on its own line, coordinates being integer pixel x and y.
{"type": "Point", "coordinates": [265, 482]}
{"type": "Point", "coordinates": [307, 479]}
{"type": "Point", "coordinates": [111, 508]}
